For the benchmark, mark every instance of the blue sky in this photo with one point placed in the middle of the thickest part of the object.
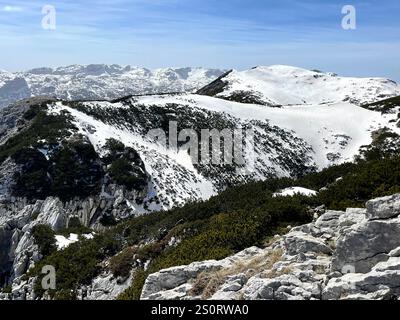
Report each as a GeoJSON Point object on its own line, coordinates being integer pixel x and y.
{"type": "Point", "coordinates": [210, 33]}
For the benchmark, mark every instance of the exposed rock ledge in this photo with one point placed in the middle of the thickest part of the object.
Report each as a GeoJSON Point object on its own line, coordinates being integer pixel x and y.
{"type": "Point", "coordinates": [341, 255]}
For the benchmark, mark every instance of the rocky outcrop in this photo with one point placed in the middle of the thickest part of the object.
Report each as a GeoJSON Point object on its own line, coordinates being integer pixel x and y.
{"type": "Point", "coordinates": [353, 255]}
{"type": "Point", "coordinates": [384, 208]}
{"type": "Point", "coordinates": [104, 287]}
{"type": "Point", "coordinates": [167, 284]}
{"type": "Point", "coordinates": [369, 241]}
{"type": "Point", "coordinates": [366, 245]}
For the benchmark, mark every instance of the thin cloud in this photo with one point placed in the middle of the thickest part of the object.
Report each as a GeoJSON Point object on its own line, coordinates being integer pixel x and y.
{"type": "Point", "coordinates": [12, 8]}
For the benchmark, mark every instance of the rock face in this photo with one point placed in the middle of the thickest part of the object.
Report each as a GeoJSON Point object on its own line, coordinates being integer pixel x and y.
{"type": "Point", "coordinates": [17, 218]}
{"type": "Point", "coordinates": [278, 85]}
{"type": "Point", "coordinates": [370, 241]}
{"type": "Point", "coordinates": [167, 284]}
{"type": "Point", "coordinates": [366, 245]}
{"type": "Point", "coordinates": [104, 287]}
{"type": "Point", "coordinates": [341, 255]}
{"type": "Point", "coordinates": [384, 208]}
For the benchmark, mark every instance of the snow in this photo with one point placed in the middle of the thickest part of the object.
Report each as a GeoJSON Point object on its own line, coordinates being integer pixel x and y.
{"type": "Point", "coordinates": [290, 192]}
{"type": "Point", "coordinates": [286, 85]}
{"type": "Point", "coordinates": [62, 242]}
{"type": "Point", "coordinates": [79, 82]}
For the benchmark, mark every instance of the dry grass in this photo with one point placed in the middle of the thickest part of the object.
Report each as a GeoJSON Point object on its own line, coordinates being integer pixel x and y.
{"type": "Point", "coordinates": [270, 241]}
{"type": "Point", "coordinates": [320, 269]}
{"type": "Point", "coordinates": [207, 283]}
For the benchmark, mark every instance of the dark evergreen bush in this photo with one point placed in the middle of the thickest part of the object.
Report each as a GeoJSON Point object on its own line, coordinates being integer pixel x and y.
{"type": "Point", "coordinates": [44, 237]}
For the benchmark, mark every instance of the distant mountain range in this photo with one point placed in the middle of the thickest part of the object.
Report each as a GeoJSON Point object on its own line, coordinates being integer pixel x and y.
{"type": "Point", "coordinates": [99, 81]}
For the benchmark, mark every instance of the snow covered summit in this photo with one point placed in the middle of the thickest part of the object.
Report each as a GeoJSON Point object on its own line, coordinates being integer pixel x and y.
{"type": "Point", "coordinates": [284, 85]}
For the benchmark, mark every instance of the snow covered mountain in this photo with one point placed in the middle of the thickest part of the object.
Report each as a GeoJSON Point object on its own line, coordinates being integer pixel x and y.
{"type": "Point", "coordinates": [284, 85]}
{"type": "Point", "coordinates": [94, 160]}
{"type": "Point", "coordinates": [312, 129]}
{"type": "Point", "coordinates": [98, 81]}
{"type": "Point", "coordinates": [288, 142]}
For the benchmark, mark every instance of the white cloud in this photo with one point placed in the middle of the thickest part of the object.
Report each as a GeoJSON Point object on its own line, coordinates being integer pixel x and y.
{"type": "Point", "coordinates": [12, 9]}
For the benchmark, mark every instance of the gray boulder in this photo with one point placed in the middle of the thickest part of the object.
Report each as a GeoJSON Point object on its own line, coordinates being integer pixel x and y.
{"type": "Point", "coordinates": [365, 246]}
{"type": "Point", "coordinates": [329, 220]}
{"type": "Point", "coordinates": [383, 208]}
{"type": "Point", "coordinates": [300, 242]}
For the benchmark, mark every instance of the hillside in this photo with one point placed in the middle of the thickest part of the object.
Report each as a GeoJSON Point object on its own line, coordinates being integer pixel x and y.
{"type": "Point", "coordinates": [123, 257]}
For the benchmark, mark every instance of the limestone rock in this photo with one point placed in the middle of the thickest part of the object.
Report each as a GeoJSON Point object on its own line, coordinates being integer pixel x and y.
{"type": "Point", "coordinates": [104, 287]}
{"type": "Point", "coordinates": [300, 242]}
{"type": "Point", "coordinates": [383, 208]}
{"type": "Point", "coordinates": [366, 245]}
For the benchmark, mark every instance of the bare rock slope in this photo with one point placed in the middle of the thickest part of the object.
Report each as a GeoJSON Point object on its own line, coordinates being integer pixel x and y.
{"type": "Point", "coordinates": [341, 255]}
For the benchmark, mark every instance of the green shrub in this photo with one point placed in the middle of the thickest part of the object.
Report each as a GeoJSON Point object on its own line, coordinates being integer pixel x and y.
{"type": "Point", "coordinates": [44, 237]}
{"type": "Point", "coordinates": [77, 264]}
{"type": "Point", "coordinates": [135, 290]}
{"type": "Point", "coordinates": [120, 171]}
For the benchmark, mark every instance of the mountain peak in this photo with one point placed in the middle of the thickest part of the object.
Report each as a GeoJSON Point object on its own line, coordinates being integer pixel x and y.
{"type": "Point", "coordinates": [279, 85]}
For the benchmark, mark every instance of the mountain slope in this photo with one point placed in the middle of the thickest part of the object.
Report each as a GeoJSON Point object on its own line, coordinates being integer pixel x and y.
{"type": "Point", "coordinates": [288, 141]}
{"type": "Point", "coordinates": [84, 82]}
{"type": "Point", "coordinates": [284, 85]}
{"type": "Point", "coordinates": [236, 219]}
{"type": "Point", "coordinates": [70, 165]}
{"type": "Point", "coordinates": [328, 129]}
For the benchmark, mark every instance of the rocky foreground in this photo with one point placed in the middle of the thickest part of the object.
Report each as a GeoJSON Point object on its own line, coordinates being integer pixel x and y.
{"type": "Point", "coordinates": [341, 255]}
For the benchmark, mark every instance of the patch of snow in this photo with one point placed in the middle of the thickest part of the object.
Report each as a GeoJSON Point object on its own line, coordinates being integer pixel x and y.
{"type": "Point", "coordinates": [63, 242]}
{"type": "Point", "coordinates": [290, 192]}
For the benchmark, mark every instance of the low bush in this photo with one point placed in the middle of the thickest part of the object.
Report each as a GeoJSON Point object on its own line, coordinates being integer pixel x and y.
{"type": "Point", "coordinates": [44, 237]}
